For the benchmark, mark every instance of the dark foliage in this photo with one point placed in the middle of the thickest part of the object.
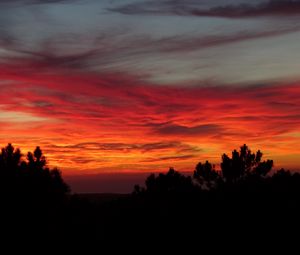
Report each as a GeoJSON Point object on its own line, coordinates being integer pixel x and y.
{"type": "Point", "coordinates": [244, 163]}
{"type": "Point", "coordinates": [243, 203]}
{"type": "Point", "coordinates": [206, 175]}
{"type": "Point", "coordinates": [242, 200]}
{"type": "Point", "coordinates": [29, 179]}
{"type": "Point", "coordinates": [170, 183]}
{"type": "Point", "coordinates": [31, 194]}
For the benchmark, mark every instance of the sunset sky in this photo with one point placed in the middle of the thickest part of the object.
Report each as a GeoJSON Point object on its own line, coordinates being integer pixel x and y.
{"type": "Point", "coordinates": [141, 85]}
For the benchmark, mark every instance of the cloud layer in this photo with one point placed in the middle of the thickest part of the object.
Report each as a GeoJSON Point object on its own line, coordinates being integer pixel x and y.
{"type": "Point", "coordinates": [101, 91]}
{"type": "Point", "coordinates": [195, 8]}
{"type": "Point", "coordinates": [121, 122]}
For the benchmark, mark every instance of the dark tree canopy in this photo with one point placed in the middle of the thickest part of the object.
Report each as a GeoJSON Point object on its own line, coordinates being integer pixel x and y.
{"type": "Point", "coordinates": [206, 175]}
{"type": "Point", "coordinates": [171, 182]}
{"type": "Point", "coordinates": [30, 178]}
{"type": "Point", "coordinates": [244, 163]}
{"type": "Point", "coordinates": [225, 202]}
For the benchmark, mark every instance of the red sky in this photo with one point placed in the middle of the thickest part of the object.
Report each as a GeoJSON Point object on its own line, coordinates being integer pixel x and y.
{"type": "Point", "coordinates": [114, 122]}
{"type": "Point", "coordinates": [142, 86]}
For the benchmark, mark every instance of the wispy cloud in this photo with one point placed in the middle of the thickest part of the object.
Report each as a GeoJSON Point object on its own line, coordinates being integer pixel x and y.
{"type": "Point", "coordinates": [170, 158]}
{"type": "Point", "coordinates": [191, 8]}
{"type": "Point", "coordinates": [127, 148]}
{"type": "Point", "coordinates": [130, 121]}
{"type": "Point", "coordinates": [23, 2]}
{"type": "Point", "coordinates": [89, 90]}
{"type": "Point", "coordinates": [200, 130]}
{"type": "Point", "coordinates": [111, 55]}
{"type": "Point", "coordinates": [198, 48]}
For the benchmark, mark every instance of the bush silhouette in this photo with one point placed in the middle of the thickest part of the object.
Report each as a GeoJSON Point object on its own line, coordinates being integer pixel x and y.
{"type": "Point", "coordinates": [170, 183]}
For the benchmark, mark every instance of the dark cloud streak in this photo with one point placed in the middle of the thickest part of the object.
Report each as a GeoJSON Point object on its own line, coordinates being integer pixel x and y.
{"type": "Point", "coordinates": [25, 2]}
{"type": "Point", "coordinates": [169, 158]}
{"type": "Point", "coordinates": [44, 59]}
{"type": "Point", "coordinates": [199, 130]}
{"type": "Point", "coordinates": [147, 147]}
{"type": "Point", "coordinates": [270, 8]}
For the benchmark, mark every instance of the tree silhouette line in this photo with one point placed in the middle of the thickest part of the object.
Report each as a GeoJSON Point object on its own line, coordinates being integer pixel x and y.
{"type": "Point", "coordinates": [245, 194]}
{"type": "Point", "coordinates": [29, 178]}
{"type": "Point", "coordinates": [32, 197]}
{"type": "Point", "coordinates": [243, 169]}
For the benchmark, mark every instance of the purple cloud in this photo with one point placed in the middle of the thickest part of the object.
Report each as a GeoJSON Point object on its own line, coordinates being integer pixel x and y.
{"type": "Point", "coordinates": [191, 8]}
{"type": "Point", "coordinates": [205, 129]}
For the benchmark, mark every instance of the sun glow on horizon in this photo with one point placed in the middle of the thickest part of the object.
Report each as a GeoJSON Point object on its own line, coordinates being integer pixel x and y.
{"type": "Point", "coordinates": [145, 85]}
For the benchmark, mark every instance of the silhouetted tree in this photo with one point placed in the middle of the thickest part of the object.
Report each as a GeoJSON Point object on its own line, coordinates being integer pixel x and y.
{"type": "Point", "coordinates": [30, 179]}
{"type": "Point", "coordinates": [206, 175]}
{"type": "Point", "coordinates": [9, 159]}
{"type": "Point", "coordinates": [171, 182]}
{"type": "Point", "coordinates": [243, 164]}
{"type": "Point", "coordinates": [36, 160]}
{"type": "Point", "coordinates": [32, 196]}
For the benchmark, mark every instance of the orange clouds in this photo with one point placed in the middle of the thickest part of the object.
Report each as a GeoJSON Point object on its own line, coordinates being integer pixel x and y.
{"type": "Point", "coordinates": [116, 122]}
